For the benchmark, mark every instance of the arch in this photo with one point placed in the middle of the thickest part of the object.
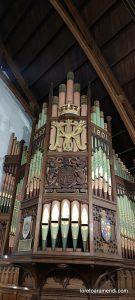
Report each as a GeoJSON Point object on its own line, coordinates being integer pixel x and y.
{"type": "Point", "coordinates": [106, 279]}
{"type": "Point", "coordinates": [64, 273]}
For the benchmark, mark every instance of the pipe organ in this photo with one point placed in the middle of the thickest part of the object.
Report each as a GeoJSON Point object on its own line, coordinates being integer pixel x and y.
{"type": "Point", "coordinates": [70, 193]}
{"type": "Point", "coordinates": [11, 189]}
{"type": "Point", "coordinates": [77, 176]}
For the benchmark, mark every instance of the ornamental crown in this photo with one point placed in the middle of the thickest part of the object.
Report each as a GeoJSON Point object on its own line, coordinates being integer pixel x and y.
{"type": "Point", "coordinates": [69, 109]}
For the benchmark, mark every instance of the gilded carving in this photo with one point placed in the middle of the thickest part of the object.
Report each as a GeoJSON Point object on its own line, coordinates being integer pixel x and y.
{"type": "Point", "coordinates": [71, 132]}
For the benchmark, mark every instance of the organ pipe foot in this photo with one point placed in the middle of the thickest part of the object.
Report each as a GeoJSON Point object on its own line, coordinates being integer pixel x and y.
{"type": "Point", "coordinates": [64, 243]}
{"type": "Point", "coordinates": [84, 233]}
{"type": "Point", "coordinates": [64, 232]}
{"type": "Point", "coordinates": [74, 244]}
{"type": "Point", "coordinates": [75, 232]}
{"type": "Point", "coordinates": [54, 233]}
{"type": "Point", "coordinates": [53, 244]}
{"type": "Point", "coordinates": [84, 246]}
{"type": "Point", "coordinates": [110, 197]}
{"type": "Point", "coordinates": [105, 195]}
{"type": "Point", "coordinates": [44, 242]}
{"type": "Point", "coordinates": [44, 232]}
{"type": "Point", "coordinates": [96, 192]}
{"type": "Point", "coordinates": [100, 192]}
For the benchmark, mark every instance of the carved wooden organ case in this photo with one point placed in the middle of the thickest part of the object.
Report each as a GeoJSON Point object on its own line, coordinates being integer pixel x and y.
{"type": "Point", "coordinates": [70, 197]}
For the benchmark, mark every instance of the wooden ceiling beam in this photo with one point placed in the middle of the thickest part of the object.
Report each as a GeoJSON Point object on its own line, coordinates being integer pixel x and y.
{"type": "Point", "coordinates": [89, 38]}
{"type": "Point", "coordinates": [34, 106]}
{"type": "Point", "coordinates": [95, 57]}
{"type": "Point", "coordinates": [130, 5]}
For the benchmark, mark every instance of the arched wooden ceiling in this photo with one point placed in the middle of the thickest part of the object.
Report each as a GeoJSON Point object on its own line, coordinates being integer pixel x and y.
{"type": "Point", "coordinates": [44, 50]}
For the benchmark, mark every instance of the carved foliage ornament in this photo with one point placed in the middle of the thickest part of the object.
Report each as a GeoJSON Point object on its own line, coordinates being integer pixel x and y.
{"type": "Point", "coordinates": [64, 278]}
{"type": "Point", "coordinates": [71, 131]}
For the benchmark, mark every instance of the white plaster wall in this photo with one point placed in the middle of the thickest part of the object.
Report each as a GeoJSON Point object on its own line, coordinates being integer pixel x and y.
{"type": "Point", "coordinates": [12, 119]}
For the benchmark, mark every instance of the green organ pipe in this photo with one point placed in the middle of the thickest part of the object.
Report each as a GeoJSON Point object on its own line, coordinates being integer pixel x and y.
{"type": "Point", "coordinates": [45, 224]}
{"type": "Point", "coordinates": [75, 223]}
{"type": "Point", "coordinates": [65, 221]}
{"type": "Point", "coordinates": [55, 222]}
{"type": "Point", "coordinates": [84, 225]}
{"type": "Point", "coordinates": [64, 231]}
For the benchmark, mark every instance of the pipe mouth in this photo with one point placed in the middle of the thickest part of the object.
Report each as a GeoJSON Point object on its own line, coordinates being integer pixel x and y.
{"type": "Point", "coordinates": [52, 222]}
{"type": "Point", "coordinates": [74, 222]}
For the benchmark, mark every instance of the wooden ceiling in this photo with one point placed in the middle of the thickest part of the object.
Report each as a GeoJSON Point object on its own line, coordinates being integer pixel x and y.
{"type": "Point", "coordinates": [44, 50]}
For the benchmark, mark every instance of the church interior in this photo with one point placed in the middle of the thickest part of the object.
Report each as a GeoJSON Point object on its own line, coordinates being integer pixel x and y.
{"type": "Point", "coordinates": [67, 149]}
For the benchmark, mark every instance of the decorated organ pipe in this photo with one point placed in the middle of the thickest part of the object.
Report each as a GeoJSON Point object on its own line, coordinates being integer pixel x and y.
{"type": "Point", "coordinates": [55, 106]}
{"type": "Point", "coordinates": [100, 160]}
{"type": "Point", "coordinates": [33, 183]}
{"type": "Point", "coordinates": [84, 114]}
{"type": "Point", "coordinates": [45, 224]}
{"type": "Point", "coordinates": [84, 225]}
{"type": "Point", "coordinates": [121, 170]}
{"type": "Point", "coordinates": [42, 117]}
{"type": "Point", "coordinates": [10, 169]}
{"type": "Point", "coordinates": [97, 109]}
{"type": "Point", "coordinates": [65, 221]}
{"type": "Point", "coordinates": [77, 94]}
{"type": "Point", "coordinates": [24, 155]}
{"type": "Point", "coordinates": [10, 145]}
{"type": "Point", "coordinates": [77, 104]}
{"type": "Point", "coordinates": [55, 218]}
{"type": "Point", "coordinates": [34, 175]}
{"type": "Point", "coordinates": [75, 222]}
{"type": "Point", "coordinates": [70, 87]}
{"type": "Point", "coordinates": [126, 205]}
{"type": "Point", "coordinates": [83, 105]}
{"type": "Point", "coordinates": [14, 223]}
{"type": "Point", "coordinates": [62, 95]}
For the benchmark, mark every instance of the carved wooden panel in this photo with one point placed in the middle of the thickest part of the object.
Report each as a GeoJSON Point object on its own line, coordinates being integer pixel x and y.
{"type": "Point", "coordinates": [126, 279]}
{"type": "Point", "coordinates": [104, 231]}
{"type": "Point", "coordinates": [9, 275]}
{"type": "Point", "coordinates": [64, 278]}
{"type": "Point", "coordinates": [2, 233]}
{"type": "Point", "coordinates": [26, 279]}
{"type": "Point", "coordinates": [66, 174]}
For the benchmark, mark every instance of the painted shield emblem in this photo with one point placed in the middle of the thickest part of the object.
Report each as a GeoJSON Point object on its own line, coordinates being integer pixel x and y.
{"type": "Point", "coordinates": [105, 227]}
{"type": "Point", "coordinates": [26, 226]}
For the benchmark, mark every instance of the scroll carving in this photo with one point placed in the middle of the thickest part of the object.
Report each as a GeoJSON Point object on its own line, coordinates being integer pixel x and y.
{"type": "Point", "coordinates": [71, 132]}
